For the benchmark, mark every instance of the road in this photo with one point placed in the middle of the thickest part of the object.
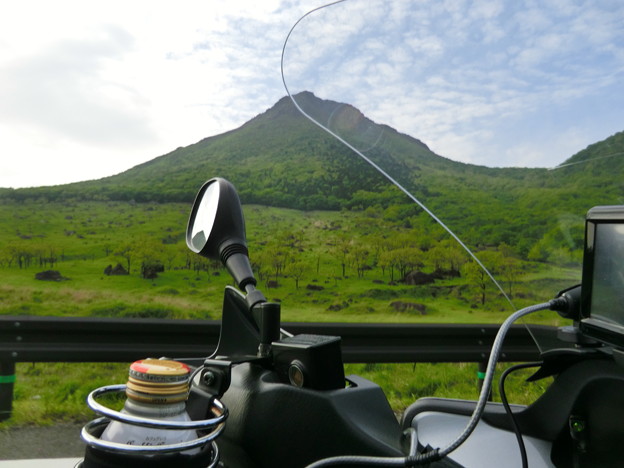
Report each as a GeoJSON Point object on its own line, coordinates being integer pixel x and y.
{"type": "Point", "coordinates": [41, 442]}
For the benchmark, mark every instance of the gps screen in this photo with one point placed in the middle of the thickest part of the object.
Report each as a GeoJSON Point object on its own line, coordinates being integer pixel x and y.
{"type": "Point", "coordinates": [607, 291]}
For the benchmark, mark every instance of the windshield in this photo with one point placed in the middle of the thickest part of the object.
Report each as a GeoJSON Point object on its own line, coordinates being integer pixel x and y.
{"type": "Point", "coordinates": [453, 151]}
{"type": "Point", "coordinates": [492, 126]}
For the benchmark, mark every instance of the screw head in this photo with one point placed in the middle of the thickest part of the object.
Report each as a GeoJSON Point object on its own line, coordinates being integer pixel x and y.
{"type": "Point", "coordinates": [209, 378]}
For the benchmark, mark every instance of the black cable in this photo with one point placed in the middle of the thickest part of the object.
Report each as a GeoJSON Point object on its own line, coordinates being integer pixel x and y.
{"type": "Point", "coordinates": [439, 454]}
{"type": "Point", "coordinates": [386, 462]}
{"type": "Point", "coordinates": [503, 396]}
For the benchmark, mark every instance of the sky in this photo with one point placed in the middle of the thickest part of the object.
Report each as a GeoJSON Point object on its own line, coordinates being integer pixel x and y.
{"type": "Point", "coordinates": [90, 89]}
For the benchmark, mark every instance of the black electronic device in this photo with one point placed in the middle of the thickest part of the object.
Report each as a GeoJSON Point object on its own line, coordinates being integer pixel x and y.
{"type": "Point", "coordinates": [602, 295]}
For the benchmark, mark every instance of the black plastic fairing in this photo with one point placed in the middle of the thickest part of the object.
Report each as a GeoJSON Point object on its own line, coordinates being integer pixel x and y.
{"type": "Point", "coordinates": [273, 424]}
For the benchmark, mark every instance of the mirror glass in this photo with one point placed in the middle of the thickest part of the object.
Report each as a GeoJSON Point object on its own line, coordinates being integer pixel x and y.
{"type": "Point", "coordinates": [205, 213]}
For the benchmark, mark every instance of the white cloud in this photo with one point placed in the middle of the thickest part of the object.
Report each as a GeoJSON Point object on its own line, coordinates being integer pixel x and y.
{"type": "Point", "coordinates": [123, 82]}
{"type": "Point", "coordinates": [106, 86]}
{"type": "Point", "coordinates": [65, 91]}
{"type": "Point", "coordinates": [468, 89]}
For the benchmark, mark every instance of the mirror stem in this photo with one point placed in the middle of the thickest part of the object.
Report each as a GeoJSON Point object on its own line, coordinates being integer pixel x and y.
{"type": "Point", "coordinates": [267, 317]}
{"type": "Point", "coordinates": [254, 296]}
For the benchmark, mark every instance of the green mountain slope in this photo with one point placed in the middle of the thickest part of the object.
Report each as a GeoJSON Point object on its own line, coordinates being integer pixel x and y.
{"type": "Point", "coordinates": [280, 158]}
{"type": "Point", "coordinates": [277, 158]}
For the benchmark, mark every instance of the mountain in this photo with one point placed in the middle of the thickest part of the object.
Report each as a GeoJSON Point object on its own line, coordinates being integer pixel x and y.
{"type": "Point", "coordinates": [280, 158]}
{"type": "Point", "coordinates": [277, 158]}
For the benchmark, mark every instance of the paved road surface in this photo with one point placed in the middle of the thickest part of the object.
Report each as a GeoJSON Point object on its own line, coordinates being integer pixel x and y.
{"type": "Point", "coordinates": [41, 442]}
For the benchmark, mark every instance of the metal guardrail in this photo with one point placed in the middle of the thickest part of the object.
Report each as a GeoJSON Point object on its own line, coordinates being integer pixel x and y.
{"type": "Point", "coordinates": [89, 339]}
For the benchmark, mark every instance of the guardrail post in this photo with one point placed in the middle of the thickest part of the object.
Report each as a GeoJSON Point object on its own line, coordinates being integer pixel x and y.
{"type": "Point", "coordinates": [481, 376]}
{"type": "Point", "coordinates": [7, 379]}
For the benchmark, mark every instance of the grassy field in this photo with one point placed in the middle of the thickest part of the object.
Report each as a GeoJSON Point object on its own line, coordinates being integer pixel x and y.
{"type": "Point", "coordinates": [52, 393]}
{"type": "Point", "coordinates": [318, 278]}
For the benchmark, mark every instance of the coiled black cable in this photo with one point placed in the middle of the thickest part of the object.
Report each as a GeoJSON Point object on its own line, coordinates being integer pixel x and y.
{"type": "Point", "coordinates": [503, 396]}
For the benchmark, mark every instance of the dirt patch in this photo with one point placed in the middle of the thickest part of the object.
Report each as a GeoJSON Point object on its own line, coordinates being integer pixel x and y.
{"type": "Point", "coordinates": [417, 278]}
{"type": "Point", "coordinates": [115, 270]}
{"type": "Point", "coordinates": [50, 275]}
{"type": "Point", "coordinates": [401, 306]}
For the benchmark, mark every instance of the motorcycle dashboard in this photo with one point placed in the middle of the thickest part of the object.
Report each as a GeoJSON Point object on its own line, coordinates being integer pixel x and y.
{"type": "Point", "coordinates": [602, 296]}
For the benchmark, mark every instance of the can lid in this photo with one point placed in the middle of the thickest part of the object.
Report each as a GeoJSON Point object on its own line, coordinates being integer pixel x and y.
{"type": "Point", "coordinates": [159, 371]}
{"type": "Point", "coordinates": [158, 381]}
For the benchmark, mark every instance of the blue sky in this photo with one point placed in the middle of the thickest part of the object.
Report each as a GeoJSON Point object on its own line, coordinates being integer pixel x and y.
{"type": "Point", "coordinates": [497, 83]}
{"type": "Point", "coordinates": [89, 90]}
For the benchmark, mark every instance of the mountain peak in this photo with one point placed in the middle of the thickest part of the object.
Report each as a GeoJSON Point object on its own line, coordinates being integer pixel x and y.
{"type": "Point", "coordinates": [342, 118]}
{"type": "Point", "coordinates": [279, 158]}
{"type": "Point", "coordinates": [309, 103]}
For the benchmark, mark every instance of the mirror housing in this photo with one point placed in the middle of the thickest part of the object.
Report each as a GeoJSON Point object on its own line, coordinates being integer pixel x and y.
{"type": "Point", "coordinates": [216, 230]}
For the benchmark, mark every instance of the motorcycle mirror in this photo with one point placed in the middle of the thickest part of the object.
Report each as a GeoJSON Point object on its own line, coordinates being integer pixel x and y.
{"type": "Point", "coordinates": [216, 229]}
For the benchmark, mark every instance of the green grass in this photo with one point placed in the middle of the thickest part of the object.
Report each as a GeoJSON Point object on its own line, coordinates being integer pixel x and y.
{"type": "Point", "coordinates": [86, 236]}
{"type": "Point", "coordinates": [403, 384]}
{"type": "Point", "coordinates": [53, 393]}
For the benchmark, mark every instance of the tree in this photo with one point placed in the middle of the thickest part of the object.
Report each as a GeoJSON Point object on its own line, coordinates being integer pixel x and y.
{"type": "Point", "coordinates": [145, 250]}
{"type": "Point", "coordinates": [342, 249]}
{"type": "Point", "coordinates": [360, 256]}
{"type": "Point", "coordinates": [171, 253]}
{"type": "Point", "coordinates": [271, 262]}
{"type": "Point", "coordinates": [46, 255]}
{"type": "Point", "coordinates": [493, 261]}
{"type": "Point", "coordinates": [6, 257]}
{"type": "Point", "coordinates": [385, 262]}
{"type": "Point", "coordinates": [403, 260]}
{"type": "Point", "coordinates": [199, 264]}
{"type": "Point", "coordinates": [510, 270]}
{"type": "Point", "coordinates": [297, 269]}
{"type": "Point", "coordinates": [150, 253]}
{"type": "Point", "coordinates": [22, 253]}
{"type": "Point", "coordinates": [510, 266]}
{"type": "Point", "coordinates": [408, 259]}
{"type": "Point", "coordinates": [127, 252]}
{"type": "Point", "coordinates": [446, 256]}
{"type": "Point", "coordinates": [478, 278]}
{"type": "Point", "coordinates": [376, 244]}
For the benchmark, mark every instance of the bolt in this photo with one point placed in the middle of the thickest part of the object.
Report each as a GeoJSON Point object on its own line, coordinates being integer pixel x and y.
{"type": "Point", "coordinates": [18, 338]}
{"type": "Point", "coordinates": [209, 378]}
{"type": "Point", "coordinates": [17, 324]}
{"type": "Point", "coordinates": [295, 374]}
